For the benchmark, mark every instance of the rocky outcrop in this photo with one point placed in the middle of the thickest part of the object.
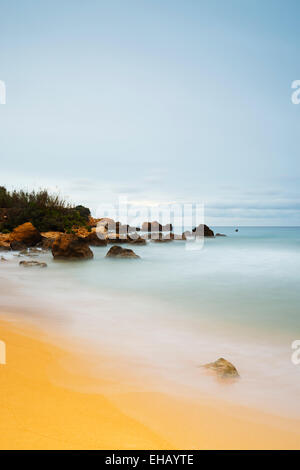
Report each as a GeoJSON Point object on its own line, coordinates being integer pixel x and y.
{"type": "Point", "coordinates": [30, 264]}
{"type": "Point", "coordinates": [68, 246]}
{"type": "Point", "coordinates": [119, 252]}
{"type": "Point", "coordinates": [203, 231]}
{"type": "Point", "coordinates": [220, 235]}
{"type": "Point", "coordinates": [96, 238]}
{"type": "Point", "coordinates": [222, 368]}
{"type": "Point", "coordinates": [26, 235]}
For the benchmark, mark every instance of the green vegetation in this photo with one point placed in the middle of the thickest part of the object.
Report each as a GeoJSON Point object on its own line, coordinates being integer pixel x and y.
{"type": "Point", "coordinates": [44, 210]}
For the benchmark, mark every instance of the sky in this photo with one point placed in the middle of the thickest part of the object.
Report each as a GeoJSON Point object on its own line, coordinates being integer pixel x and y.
{"type": "Point", "coordinates": [159, 101]}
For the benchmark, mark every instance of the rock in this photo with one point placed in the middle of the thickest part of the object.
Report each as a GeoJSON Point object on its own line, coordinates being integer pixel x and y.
{"type": "Point", "coordinates": [187, 234]}
{"type": "Point", "coordinates": [48, 238]}
{"type": "Point", "coordinates": [32, 251]}
{"type": "Point", "coordinates": [138, 241]}
{"type": "Point", "coordinates": [203, 230]}
{"type": "Point", "coordinates": [18, 246]}
{"type": "Point", "coordinates": [119, 238]}
{"type": "Point", "coordinates": [120, 228]}
{"type": "Point", "coordinates": [4, 246]}
{"type": "Point", "coordinates": [5, 242]}
{"type": "Point", "coordinates": [3, 259]}
{"type": "Point", "coordinates": [46, 243]}
{"type": "Point", "coordinates": [236, 229]}
{"type": "Point", "coordinates": [159, 238]}
{"type": "Point", "coordinates": [220, 235]}
{"type": "Point", "coordinates": [119, 252]}
{"type": "Point", "coordinates": [96, 238]}
{"type": "Point", "coordinates": [133, 239]}
{"type": "Point", "coordinates": [25, 234]}
{"type": "Point", "coordinates": [29, 264]}
{"type": "Point", "coordinates": [156, 227]}
{"type": "Point", "coordinates": [68, 246]}
{"type": "Point", "coordinates": [223, 368]}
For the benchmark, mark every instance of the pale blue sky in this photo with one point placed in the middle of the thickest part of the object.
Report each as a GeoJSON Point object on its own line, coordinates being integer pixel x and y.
{"type": "Point", "coordinates": [162, 100]}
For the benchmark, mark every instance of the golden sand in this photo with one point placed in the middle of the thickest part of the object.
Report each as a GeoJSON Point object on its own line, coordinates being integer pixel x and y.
{"type": "Point", "coordinates": [40, 411]}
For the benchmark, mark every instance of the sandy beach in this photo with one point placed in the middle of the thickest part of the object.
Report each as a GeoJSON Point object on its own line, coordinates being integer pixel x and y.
{"type": "Point", "coordinates": [43, 406]}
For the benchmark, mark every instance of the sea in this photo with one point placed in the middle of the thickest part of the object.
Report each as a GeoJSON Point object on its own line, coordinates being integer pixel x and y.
{"type": "Point", "coordinates": [181, 305]}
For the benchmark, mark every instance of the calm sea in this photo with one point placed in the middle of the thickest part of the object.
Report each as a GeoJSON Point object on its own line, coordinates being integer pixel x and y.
{"type": "Point", "coordinates": [180, 306]}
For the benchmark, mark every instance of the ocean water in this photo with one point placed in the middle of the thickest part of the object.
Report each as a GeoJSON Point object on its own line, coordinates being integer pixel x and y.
{"type": "Point", "coordinates": [181, 305]}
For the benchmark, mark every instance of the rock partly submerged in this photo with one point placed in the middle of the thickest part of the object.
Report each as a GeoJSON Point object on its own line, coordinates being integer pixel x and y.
{"type": "Point", "coordinates": [138, 241]}
{"type": "Point", "coordinates": [203, 230]}
{"type": "Point", "coordinates": [71, 247]}
{"type": "Point", "coordinates": [30, 264]}
{"type": "Point", "coordinates": [119, 252]}
{"type": "Point", "coordinates": [133, 239]}
{"type": "Point", "coordinates": [223, 368]}
{"type": "Point", "coordinates": [32, 251]}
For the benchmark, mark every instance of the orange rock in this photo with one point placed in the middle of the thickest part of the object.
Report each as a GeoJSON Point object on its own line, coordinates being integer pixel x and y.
{"type": "Point", "coordinates": [69, 246]}
{"type": "Point", "coordinates": [26, 234]}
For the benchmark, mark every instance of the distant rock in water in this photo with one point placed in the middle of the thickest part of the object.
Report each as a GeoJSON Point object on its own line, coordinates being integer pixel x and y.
{"type": "Point", "coordinates": [160, 238]}
{"type": "Point", "coordinates": [69, 246]}
{"type": "Point", "coordinates": [187, 234]}
{"type": "Point", "coordinates": [203, 231]}
{"type": "Point", "coordinates": [156, 227]}
{"type": "Point", "coordinates": [118, 238]}
{"type": "Point", "coordinates": [24, 235]}
{"type": "Point", "coordinates": [223, 368]}
{"type": "Point", "coordinates": [29, 264]}
{"type": "Point", "coordinates": [119, 252]}
{"type": "Point", "coordinates": [236, 229]}
{"type": "Point", "coordinates": [220, 235]}
{"type": "Point", "coordinates": [138, 241]}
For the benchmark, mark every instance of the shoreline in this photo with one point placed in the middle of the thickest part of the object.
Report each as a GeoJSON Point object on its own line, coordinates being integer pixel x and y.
{"type": "Point", "coordinates": [49, 400]}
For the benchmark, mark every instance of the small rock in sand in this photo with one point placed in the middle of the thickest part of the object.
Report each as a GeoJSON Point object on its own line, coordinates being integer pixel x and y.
{"type": "Point", "coordinates": [223, 368]}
